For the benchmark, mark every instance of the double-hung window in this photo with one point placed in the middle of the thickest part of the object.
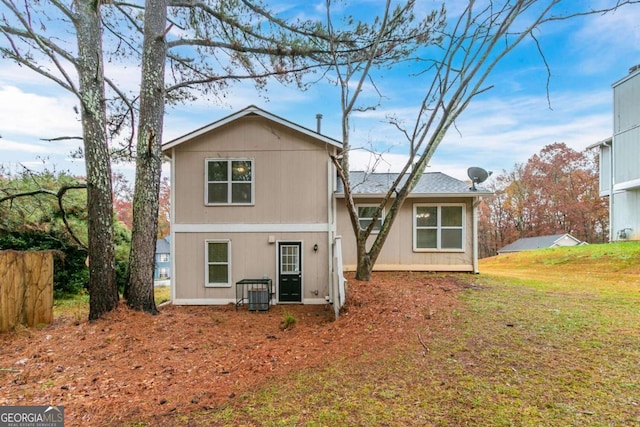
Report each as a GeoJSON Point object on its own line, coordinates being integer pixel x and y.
{"type": "Point", "coordinates": [218, 263]}
{"type": "Point", "coordinates": [365, 217]}
{"type": "Point", "coordinates": [229, 182]}
{"type": "Point", "coordinates": [438, 227]}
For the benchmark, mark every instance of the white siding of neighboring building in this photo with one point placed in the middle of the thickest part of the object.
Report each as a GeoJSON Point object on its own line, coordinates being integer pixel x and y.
{"type": "Point", "coordinates": [626, 128]}
{"type": "Point", "coordinates": [625, 220]}
{"type": "Point", "coordinates": [566, 240]}
{"type": "Point", "coordinates": [625, 195]}
{"type": "Point", "coordinates": [605, 170]}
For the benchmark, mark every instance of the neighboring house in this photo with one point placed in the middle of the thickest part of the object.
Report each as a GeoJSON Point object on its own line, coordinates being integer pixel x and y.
{"type": "Point", "coordinates": [163, 259]}
{"type": "Point", "coordinates": [256, 196]}
{"type": "Point", "coordinates": [541, 242]}
{"type": "Point", "coordinates": [619, 156]}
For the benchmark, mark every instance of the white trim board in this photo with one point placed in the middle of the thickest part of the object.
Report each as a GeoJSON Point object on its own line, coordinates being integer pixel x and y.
{"type": "Point", "coordinates": [248, 111]}
{"type": "Point", "coordinates": [225, 301]}
{"type": "Point", "coordinates": [462, 268]}
{"type": "Point", "coordinates": [250, 228]}
{"type": "Point", "coordinates": [203, 301]}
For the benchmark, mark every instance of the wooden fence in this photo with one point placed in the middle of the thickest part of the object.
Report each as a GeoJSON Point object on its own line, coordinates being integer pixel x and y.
{"type": "Point", "coordinates": [26, 288]}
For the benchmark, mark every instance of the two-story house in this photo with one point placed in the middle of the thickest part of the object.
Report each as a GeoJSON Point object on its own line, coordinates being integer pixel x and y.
{"type": "Point", "coordinates": [162, 270]}
{"type": "Point", "coordinates": [255, 196]}
{"type": "Point", "coordinates": [619, 157]}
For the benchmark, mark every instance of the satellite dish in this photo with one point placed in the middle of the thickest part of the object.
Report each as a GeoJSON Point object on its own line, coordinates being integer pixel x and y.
{"type": "Point", "coordinates": [477, 176]}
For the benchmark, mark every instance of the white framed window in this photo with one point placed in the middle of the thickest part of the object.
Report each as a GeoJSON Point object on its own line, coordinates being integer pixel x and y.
{"type": "Point", "coordinates": [163, 273]}
{"type": "Point", "coordinates": [228, 182]}
{"type": "Point", "coordinates": [217, 255]}
{"type": "Point", "coordinates": [365, 216]}
{"type": "Point", "coordinates": [162, 257]}
{"type": "Point", "coordinates": [438, 227]}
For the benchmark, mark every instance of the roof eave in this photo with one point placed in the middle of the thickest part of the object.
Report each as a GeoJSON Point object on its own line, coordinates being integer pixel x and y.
{"type": "Point", "coordinates": [252, 109]}
{"type": "Point", "coordinates": [606, 141]}
{"type": "Point", "coordinates": [419, 195]}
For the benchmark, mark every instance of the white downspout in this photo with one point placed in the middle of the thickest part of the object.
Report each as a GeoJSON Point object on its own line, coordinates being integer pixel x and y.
{"type": "Point", "coordinates": [611, 194]}
{"type": "Point", "coordinates": [331, 217]}
{"type": "Point", "coordinates": [474, 214]}
{"type": "Point", "coordinates": [172, 216]}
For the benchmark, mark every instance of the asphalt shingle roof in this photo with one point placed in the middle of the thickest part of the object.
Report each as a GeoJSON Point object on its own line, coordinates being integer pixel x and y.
{"type": "Point", "coordinates": [364, 183]}
{"type": "Point", "coordinates": [531, 243]}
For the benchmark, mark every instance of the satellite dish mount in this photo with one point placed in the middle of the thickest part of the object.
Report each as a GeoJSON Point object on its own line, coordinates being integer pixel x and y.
{"type": "Point", "coordinates": [477, 176]}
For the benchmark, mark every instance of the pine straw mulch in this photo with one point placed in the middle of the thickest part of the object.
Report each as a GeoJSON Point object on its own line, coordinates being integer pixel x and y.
{"type": "Point", "coordinates": [133, 366]}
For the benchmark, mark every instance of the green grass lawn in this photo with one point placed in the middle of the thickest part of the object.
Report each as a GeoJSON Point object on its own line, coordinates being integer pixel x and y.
{"type": "Point", "coordinates": [548, 338]}
{"type": "Point", "coordinates": [77, 306]}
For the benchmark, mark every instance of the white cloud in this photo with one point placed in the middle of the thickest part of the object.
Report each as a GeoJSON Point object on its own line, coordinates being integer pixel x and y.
{"type": "Point", "coordinates": [34, 116]}
{"type": "Point", "coordinates": [12, 146]}
{"type": "Point", "coordinates": [495, 133]}
{"type": "Point", "coordinates": [608, 40]}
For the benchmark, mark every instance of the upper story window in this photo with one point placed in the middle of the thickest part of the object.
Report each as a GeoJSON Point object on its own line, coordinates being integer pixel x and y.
{"type": "Point", "coordinates": [438, 227]}
{"type": "Point", "coordinates": [365, 216]}
{"type": "Point", "coordinates": [162, 257]}
{"type": "Point", "coordinates": [229, 182]}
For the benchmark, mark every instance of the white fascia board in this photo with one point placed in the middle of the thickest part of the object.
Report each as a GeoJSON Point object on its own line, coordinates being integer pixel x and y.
{"type": "Point", "coordinates": [462, 268]}
{"type": "Point", "coordinates": [630, 75]}
{"type": "Point", "coordinates": [419, 195]}
{"type": "Point", "coordinates": [606, 142]}
{"type": "Point", "coordinates": [432, 195]}
{"type": "Point", "coordinates": [245, 112]}
{"type": "Point", "coordinates": [627, 185]}
{"type": "Point", "coordinates": [251, 228]}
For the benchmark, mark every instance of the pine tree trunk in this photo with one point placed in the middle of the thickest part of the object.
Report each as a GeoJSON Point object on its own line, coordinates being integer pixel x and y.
{"type": "Point", "coordinates": [139, 291]}
{"type": "Point", "coordinates": [103, 289]}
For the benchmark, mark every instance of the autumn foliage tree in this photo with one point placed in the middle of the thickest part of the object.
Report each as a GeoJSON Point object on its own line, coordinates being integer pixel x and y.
{"type": "Point", "coordinates": [555, 191]}
{"type": "Point", "coordinates": [164, 208]}
{"type": "Point", "coordinates": [458, 54]}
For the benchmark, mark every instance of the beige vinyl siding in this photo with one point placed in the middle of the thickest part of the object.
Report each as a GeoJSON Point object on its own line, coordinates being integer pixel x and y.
{"type": "Point", "coordinates": [289, 175]}
{"type": "Point", "coordinates": [253, 256]}
{"type": "Point", "coordinates": [397, 252]}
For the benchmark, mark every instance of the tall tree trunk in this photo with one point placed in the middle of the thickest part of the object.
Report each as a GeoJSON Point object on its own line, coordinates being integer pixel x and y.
{"type": "Point", "coordinates": [103, 289]}
{"type": "Point", "coordinates": [139, 290]}
{"type": "Point", "coordinates": [364, 266]}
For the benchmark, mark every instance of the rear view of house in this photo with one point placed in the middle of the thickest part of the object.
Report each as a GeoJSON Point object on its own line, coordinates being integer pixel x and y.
{"type": "Point", "coordinates": [256, 201]}
{"type": "Point", "coordinates": [251, 199]}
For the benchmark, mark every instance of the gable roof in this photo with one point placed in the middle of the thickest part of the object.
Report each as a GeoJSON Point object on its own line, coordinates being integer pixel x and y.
{"type": "Point", "coordinates": [540, 242]}
{"type": "Point", "coordinates": [251, 110]}
{"type": "Point", "coordinates": [365, 184]}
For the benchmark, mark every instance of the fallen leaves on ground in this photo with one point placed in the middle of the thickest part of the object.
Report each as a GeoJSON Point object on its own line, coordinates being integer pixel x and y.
{"type": "Point", "coordinates": [131, 365]}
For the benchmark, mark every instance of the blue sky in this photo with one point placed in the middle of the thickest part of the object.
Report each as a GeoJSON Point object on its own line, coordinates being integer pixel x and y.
{"type": "Point", "coordinates": [505, 125]}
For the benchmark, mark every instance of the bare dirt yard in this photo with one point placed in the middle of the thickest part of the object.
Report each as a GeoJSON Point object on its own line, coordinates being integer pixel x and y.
{"type": "Point", "coordinates": [133, 366]}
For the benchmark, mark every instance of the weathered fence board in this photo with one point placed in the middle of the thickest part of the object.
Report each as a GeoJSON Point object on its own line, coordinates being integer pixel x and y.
{"type": "Point", "coordinates": [26, 288]}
